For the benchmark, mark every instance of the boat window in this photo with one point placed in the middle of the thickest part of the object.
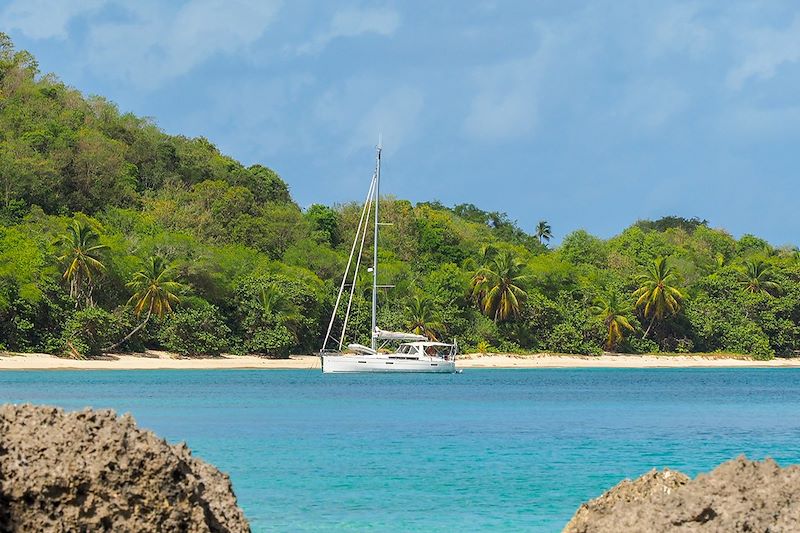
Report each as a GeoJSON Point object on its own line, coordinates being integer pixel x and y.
{"type": "Point", "coordinates": [432, 351]}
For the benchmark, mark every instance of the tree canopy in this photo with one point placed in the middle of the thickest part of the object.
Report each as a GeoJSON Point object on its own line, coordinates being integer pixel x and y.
{"type": "Point", "coordinates": [112, 231]}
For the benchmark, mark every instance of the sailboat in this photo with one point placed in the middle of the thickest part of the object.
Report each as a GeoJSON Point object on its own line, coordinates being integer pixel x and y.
{"type": "Point", "coordinates": [415, 353]}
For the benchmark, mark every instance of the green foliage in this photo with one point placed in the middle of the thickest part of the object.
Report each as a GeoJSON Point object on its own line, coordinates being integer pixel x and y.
{"type": "Point", "coordinates": [324, 224]}
{"type": "Point", "coordinates": [756, 277]}
{"type": "Point", "coordinates": [197, 330]}
{"type": "Point", "coordinates": [657, 297]}
{"type": "Point", "coordinates": [635, 344]}
{"type": "Point", "coordinates": [668, 222]}
{"type": "Point", "coordinates": [277, 314]}
{"type": "Point", "coordinates": [438, 239]}
{"type": "Point", "coordinates": [272, 233]}
{"type": "Point", "coordinates": [567, 337]}
{"type": "Point", "coordinates": [538, 316]}
{"type": "Point", "coordinates": [257, 274]}
{"type": "Point", "coordinates": [750, 245]}
{"type": "Point", "coordinates": [155, 290]}
{"type": "Point", "coordinates": [543, 231]}
{"type": "Point", "coordinates": [581, 248]}
{"type": "Point", "coordinates": [422, 318]}
{"type": "Point", "coordinates": [747, 338]}
{"type": "Point", "coordinates": [88, 331]}
{"type": "Point", "coordinates": [612, 311]}
{"type": "Point", "coordinates": [271, 339]}
{"type": "Point", "coordinates": [497, 287]}
{"type": "Point", "coordinates": [265, 184]}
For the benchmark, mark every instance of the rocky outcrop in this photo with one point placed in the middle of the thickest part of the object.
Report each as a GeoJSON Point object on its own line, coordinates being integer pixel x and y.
{"type": "Point", "coordinates": [93, 471]}
{"type": "Point", "coordinates": [739, 495]}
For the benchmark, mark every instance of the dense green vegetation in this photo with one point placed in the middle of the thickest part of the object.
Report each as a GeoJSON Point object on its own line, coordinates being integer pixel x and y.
{"type": "Point", "coordinates": [114, 235]}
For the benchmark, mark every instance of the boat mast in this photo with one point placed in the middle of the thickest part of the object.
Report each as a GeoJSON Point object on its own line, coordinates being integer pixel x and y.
{"type": "Point", "coordinates": [374, 340]}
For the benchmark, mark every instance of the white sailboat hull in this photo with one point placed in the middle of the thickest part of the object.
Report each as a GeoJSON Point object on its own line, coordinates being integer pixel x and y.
{"type": "Point", "coordinates": [337, 363]}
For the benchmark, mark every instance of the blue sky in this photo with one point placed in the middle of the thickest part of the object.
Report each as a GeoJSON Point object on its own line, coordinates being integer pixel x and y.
{"type": "Point", "coordinates": [586, 114]}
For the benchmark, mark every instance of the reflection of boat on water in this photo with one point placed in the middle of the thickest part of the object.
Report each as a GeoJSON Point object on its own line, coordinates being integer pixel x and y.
{"type": "Point", "coordinates": [416, 353]}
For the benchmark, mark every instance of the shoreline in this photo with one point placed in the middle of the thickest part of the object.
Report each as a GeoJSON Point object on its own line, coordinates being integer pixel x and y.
{"type": "Point", "coordinates": [153, 360]}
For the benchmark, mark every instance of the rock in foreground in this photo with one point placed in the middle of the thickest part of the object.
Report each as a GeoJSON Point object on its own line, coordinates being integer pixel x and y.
{"type": "Point", "coordinates": [739, 495]}
{"type": "Point", "coordinates": [93, 471]}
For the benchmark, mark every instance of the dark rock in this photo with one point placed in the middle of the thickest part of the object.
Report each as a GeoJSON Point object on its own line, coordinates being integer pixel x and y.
{"type": "Point", "coordinates": [93, 471]}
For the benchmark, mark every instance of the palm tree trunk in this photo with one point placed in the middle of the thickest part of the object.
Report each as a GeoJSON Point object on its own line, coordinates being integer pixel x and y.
{"type": "Point", "coordinates": [647, 331]}
{"type": "Point", "coordinates": [131, 334]}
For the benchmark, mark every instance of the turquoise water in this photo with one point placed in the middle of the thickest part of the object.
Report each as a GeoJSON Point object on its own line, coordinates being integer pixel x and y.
{"type": "Point", "coordinates": [500, 450]}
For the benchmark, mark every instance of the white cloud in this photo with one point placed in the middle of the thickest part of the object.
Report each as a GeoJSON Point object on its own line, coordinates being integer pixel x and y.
{"type": "Point", "coordinates": [158, 43]}
{"type": "Point", "coordinates": [766, 50]}
{"type": "Point", "coordinates": [650, 103]}
{"type": "Point", "coordinates": [676, 29]}
{"type": "Point", "coordinates": [251, 115]}
{"type": "Point", "coordinates": [352, 23]}
{"type": "Point", "coordinates": [362, 108]}
{"type": "Point", "coordinates": [749, 124]}
{"type": "Point", "coordinates": [394, 116]}
{"type": "Point", "coordinates": [505, 104]}
{"type": "Point", "coordinates": [44, 19]}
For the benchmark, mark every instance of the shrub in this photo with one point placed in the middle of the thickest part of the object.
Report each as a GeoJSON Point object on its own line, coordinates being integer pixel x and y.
{"type": "Point", "coordinates": [88, 331]}
{"type": "Point", "coordinates": [298, 310]}
{"type": "Point", "coordinates": [636, 344]}
{"type": "Point", "coordinates": [747, 338]}
{"type": "Point", "coordinates": [677, 345]}
{"type": "Point", "coordinates": [566, 338]}
{"type": "Point", "coordinates": [276, 340]}
{"type": "Point", "coordinates": [198, 331]}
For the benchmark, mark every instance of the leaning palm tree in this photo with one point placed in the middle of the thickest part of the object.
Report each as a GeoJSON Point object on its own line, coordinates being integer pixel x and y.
{"type": "Point", "coordinates": [657, 296]}
{"type": "Point", "coordinates": [154, 293]}
{"type": "Point", "coordinates": [422, 319]}
{"type": "Point", "coordinates": [497, 287]}
{"type": "Point", "coordinates": [756, 277]}
{"type": "Point", "coordinates": [611, 311]}
{"type": "Point", "coordinates": [543, 231]}
{"type": "Point", "coordinates": [82, 254]}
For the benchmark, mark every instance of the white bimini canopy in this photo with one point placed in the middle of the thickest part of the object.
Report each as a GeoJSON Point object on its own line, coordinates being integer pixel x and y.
{"type": "Point", "coordinates": [384, 335]}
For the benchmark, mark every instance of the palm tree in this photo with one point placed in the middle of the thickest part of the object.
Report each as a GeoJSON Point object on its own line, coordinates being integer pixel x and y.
{"type": "Point", "coordinates": [422, 319]}
{"type": "Point", "coordinates": [612, 312]}
{"type": "Point", "coordinates": [154, 293]}
{"type": "Point", "coordinates": [275, 304]}
{"type": "Point", "coordinates": [83, 255]}
{"type": "Point", "coordinates": [657, 296]}
{"type": "Point", "coordinates": [486, 254]}
{"type": "Point", "coordinates": [543, 231]}
{"type": "Point", "coordinates": [497, 289]}
{"type": "Point", "coordinates": [755, 277]}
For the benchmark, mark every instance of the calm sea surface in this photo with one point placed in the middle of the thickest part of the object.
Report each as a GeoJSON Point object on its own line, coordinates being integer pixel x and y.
{"type": "Point", "coordinates": [500, 450]}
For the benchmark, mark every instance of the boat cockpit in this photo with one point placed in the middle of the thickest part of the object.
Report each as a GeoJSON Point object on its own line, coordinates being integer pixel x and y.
{"type": "Point", "coordinates": [415, 350]}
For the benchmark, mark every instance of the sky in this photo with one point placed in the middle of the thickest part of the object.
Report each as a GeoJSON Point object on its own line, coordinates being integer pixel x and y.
{"type": "Point", "coordinates": [589, 115]}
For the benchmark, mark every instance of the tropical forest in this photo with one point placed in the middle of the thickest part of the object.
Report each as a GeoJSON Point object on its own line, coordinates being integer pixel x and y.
{"type": "Point", "coordinates": [116, 237]}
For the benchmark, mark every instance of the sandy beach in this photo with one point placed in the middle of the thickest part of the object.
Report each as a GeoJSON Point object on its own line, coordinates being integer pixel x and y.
{"type": "Point", "coordinates": [153, 360]}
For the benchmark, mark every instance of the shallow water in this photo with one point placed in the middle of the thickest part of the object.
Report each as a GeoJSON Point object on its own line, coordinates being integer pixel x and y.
{"type": "Point", "coordinates": [483, 450]}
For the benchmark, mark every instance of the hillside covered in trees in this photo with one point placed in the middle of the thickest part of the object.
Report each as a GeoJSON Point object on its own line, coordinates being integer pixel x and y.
{"type": "Point", "coordinates": [116, 236]}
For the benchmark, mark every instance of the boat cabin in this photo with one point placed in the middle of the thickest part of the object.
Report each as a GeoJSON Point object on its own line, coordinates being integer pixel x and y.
{"type": "Point", "coordinates": [415, 350]}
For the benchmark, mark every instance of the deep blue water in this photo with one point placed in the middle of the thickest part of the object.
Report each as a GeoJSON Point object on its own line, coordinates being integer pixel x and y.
{"type": "Point", "coordinates": [483, 450]}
